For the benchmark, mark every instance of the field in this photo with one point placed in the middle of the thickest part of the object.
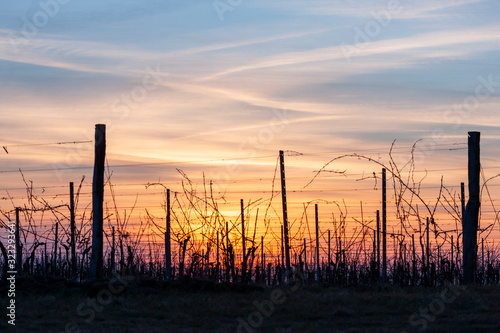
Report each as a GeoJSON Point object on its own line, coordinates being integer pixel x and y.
{"type": "Point", "coordinates": [188, 306]}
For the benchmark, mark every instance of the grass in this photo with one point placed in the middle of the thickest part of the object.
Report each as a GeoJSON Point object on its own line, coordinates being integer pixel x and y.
{"type": "Point", "coordinates": [204, 307]}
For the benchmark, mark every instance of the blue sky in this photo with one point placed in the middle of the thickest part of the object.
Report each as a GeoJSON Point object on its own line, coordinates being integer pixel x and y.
{"type": "Point", "coordinates": [351, 75]}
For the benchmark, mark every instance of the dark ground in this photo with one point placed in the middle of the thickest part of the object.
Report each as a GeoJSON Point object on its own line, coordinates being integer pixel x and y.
{"type": "Point", "coordinates": [60, 306]}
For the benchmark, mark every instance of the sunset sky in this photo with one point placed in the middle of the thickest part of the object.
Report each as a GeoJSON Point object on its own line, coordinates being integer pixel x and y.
{"type": "Point", "coordinates": [219, 87]}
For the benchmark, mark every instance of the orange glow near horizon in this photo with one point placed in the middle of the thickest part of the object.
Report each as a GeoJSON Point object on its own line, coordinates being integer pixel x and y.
{"type": "Point", "coordinates": [347, 190]}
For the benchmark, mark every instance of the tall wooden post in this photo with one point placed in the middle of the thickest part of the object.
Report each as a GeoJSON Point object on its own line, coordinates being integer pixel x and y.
{"type": "Point", "coordinates": [374, 248]}
{"type": "Point", "coordinates": [96, 263]}
{"type": "Point", "coordinates": [73, 227]}
{"type": "Point", "coordinates": [471, 219]}
{"type": "Point", "coordinates": [19, 249]}
{"type": "Point", "coordinates": [54, 261]}
{"type": "Point", "coordinates": [217, 269]}
{"type": "Point", "coordinates": [414, 260]}
{"type": "Point", "coordinates": [227, 252]}
{"type": "Point", "coordinates": [427, 251]}
{"type": "Point", "coordinates": [404, 254]}
{"type": "Point", "coordinates": [262, 259]}
{"type": "Point", "coordinates": [329, 249]}
{"type": "Point", "coordinates": [378, 242]}
{"type": "Point", "coordinates": [317, 243]}
{"type": "Point", "coordinates": [305, 255]}
{"type": "Point", "coordinates": [244, 261]}
{"type": "Point", "coordinates": [451, 262]}
{"type": "Point", "coordinates": [285, 216]}
{"type": "Point", "coordinates": [342, 262]}
{"type": "Point", "coordinates": [113, 251]}
{"type": "Point", "coordinates": [384, 223]}
{"type": "Point", "coordinates": [438, 263]}
{"type": "Point", "coordinates": [168, 250]}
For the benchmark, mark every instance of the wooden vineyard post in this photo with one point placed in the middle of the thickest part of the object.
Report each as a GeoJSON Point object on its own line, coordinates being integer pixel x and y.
{"type": "Point", "coordinates": [438, 263]}
{"type": "Point", "coordinates": [340, 261]}
{"type": "Point", "coordinates": [54, 261]}
{"type": "Point", "coordinates": [384, 223]}
{"type": "Point", "coordinates": [19, 249]}
{"type": "Point", "coordinates": [262, 259]}
{"type": "Point", "coordinates": [329, 249]}
{"type": "Point", "coordinates": [305, 256]}
{"type": "Point", "coordinates": [168, 249]}
{"type": "Point", "coordinates": [113, 269]}
{"type": "Point", "coordinates": [378, 243]}
{"type": "Point", "coordinates": [96, 262]}
{"type": "Point", "coordinates": [451, 262]}
{"type": "Point", "coordinates": [72, 222]}
{"type": "Point", "coordinates": [227, 252]}
{"type": "Point", "coordinates": [471, 218]}
{"type": "Point", "coordinates": [374, 247]}
{"type": "Point", "coordinates": [285, 216]}
{"type": "Point", "coordinates": [217, 267]}
{"type": "Point", "coordinates": [414, 260]}
{"type": "Point", "coordinates": [317, 244]}
{"type": "Point", "coordinates": [427, 252]}
{"type": "Point", "coordinates": [404, 254]}
{"type": "Point", "coordinates": [243, 244]}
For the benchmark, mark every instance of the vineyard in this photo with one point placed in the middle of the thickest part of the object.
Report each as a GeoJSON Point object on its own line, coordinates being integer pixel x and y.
{"type": "Point", "coordinates": [293, 226]}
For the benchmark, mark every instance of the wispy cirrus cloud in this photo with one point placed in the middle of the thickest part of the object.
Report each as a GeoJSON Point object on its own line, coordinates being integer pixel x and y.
{"type": "Point", "coordinates": [441, 40]}
{"type": "Point", "coordinates": [364, 8]}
